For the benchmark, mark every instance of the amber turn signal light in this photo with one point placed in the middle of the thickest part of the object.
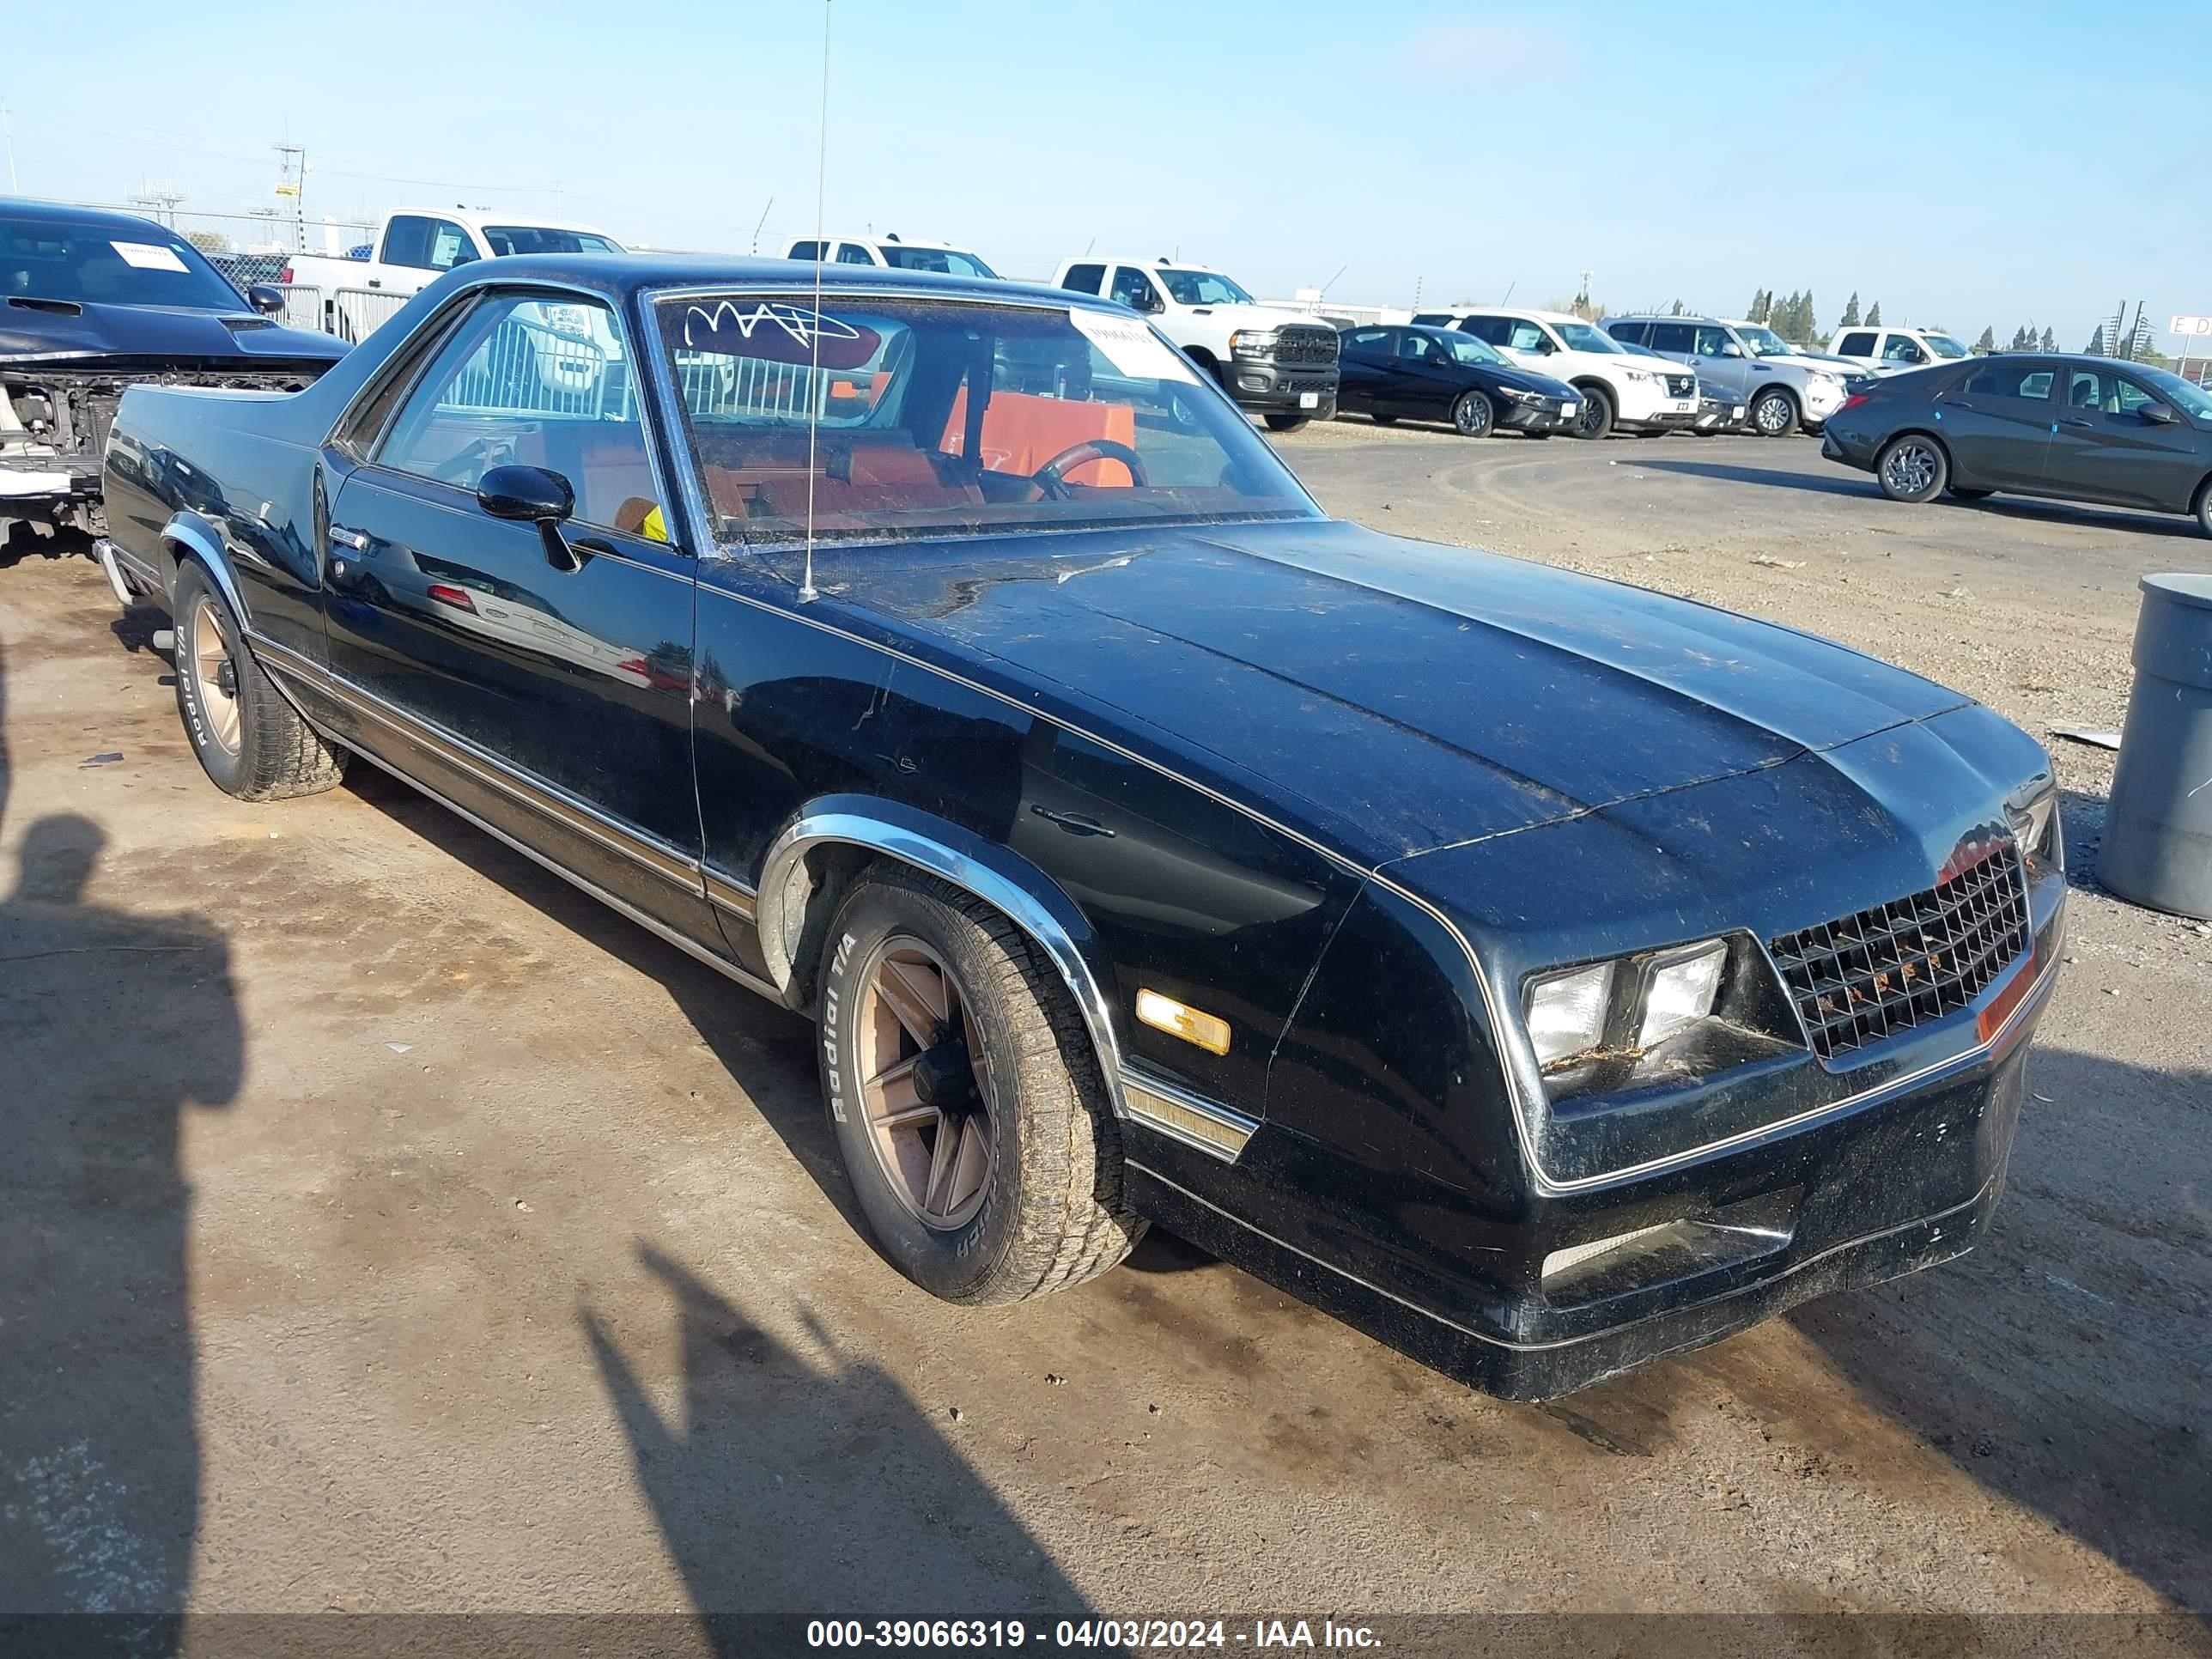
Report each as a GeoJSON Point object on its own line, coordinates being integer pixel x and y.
{"type": "Point", "coordinates": [1209, 1031]}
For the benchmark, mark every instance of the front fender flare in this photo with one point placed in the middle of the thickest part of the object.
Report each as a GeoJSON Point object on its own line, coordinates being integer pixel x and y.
{"type": "Point", "coordinates": [1005, 880]}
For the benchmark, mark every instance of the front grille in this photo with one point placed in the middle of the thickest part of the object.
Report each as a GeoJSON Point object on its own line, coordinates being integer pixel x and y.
{"type": "Point", "coordinates": [1305, 345]}
{"type": "Point", "coordinates": [1681, 385]}
{"type": "Point", "coordinates": [1864, 977]}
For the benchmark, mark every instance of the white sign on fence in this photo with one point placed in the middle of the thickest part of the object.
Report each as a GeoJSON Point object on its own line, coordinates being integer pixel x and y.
{"type": "Point", "coordinates": [2191, 326]}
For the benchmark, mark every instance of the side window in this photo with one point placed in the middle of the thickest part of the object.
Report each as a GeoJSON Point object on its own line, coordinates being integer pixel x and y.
{"type": "Point", "coordinates": [2085, 389]}
{"type": "Point", "coordinates": [1674, 337]}
{"type": "Point", "coordinates": [1902, 349]}
{"type": "Point", "coordinates": [1369, 342]}
{"type": "Point", "coordinates": [1083, 279]}
{"type": "Point", "coordinates": [2129, 399]}
{"type": "Point", "coordinates": [1711, 339]}
{"type": "Point", "coordinates": [851, 253]}
{"type": "Point", "coordinates": [1415, 347]}
{"type": "Point", "coordinates": [806, 250]}
{"type": "Point", "coordinates": [407, 241]}
{"type": "Point", "coordinates": [1434, 318]}
{"type": "Point", "coordinates": [1860, 345]}
{"type": "Point", "coordinates": [449, 245]}
{"type": "Point", "coordinates": [2001, 378]}
{"type": "Point", "coordinates": [1529, 337]}
{"type": "Point", "coordinates": [1133, 287]}
{"type": "Point", "coordinates": [530, 381]}
{"type": "Point", "coordinates": [1492, 330]}
{"type": "Point", "coordinates": [1634, 333]}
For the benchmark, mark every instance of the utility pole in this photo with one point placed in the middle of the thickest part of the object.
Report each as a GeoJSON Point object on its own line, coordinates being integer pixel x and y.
{"type": "Point", "coordinates": [158, 201]}
{"type": "Point", "coordinates": [292, 181]}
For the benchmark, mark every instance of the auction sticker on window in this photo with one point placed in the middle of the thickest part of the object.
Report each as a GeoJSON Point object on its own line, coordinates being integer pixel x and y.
{"type": "Point", "coordinates": [149, 256]}
{"type": "Point", "coordinates": [1132, 348]}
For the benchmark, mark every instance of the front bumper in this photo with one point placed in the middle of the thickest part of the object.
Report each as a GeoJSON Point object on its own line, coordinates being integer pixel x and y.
{"type": "Point", "coordinates": [1669, 420]}
{"type": "Point", "coordinates": [1268, 387]}
{"type": "Point", "coordinates": [1548, 416]}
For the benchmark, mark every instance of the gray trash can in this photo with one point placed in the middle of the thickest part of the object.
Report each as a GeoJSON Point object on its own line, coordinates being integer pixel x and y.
{"type": "Point", "coordinates": [2158, 835]}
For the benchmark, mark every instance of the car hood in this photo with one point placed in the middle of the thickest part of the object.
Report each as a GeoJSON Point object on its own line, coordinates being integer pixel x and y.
{"type": "Point", "coordinates": [1389, 696]}
{"type": "Point", "coordinates": [1527, 380]}
{"type": "Point", "coordinates": [1256, 316]}
{"type": "Point", "coordinates": [47, 330]}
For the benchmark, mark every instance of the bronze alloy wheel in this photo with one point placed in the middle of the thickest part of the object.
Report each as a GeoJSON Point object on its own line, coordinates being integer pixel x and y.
{"type": "Point", "coordinates": [925, 1090]}
{"type": "Point", "coordinates": [215, 672]}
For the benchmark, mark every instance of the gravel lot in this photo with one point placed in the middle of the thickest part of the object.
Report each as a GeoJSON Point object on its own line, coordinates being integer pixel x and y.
{"type": "Point", "coordinates": [385, 1226]}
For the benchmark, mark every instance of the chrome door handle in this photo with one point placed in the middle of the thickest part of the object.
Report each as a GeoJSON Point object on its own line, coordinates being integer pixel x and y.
{"type": "Point", "coordinates": [352, 538]}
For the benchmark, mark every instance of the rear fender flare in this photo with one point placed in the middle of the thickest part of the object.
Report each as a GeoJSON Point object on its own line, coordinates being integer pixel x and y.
{"type": "Point", "coordinates": [188, 535]}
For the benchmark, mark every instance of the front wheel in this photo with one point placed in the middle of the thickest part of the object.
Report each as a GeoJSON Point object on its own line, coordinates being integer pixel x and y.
{"type": "Point", "coordinates": [1474, 415]}
{"type": "Point", "coordinates": [1282, 421]}
{"type": "Point", "coordinates": [1774, 414]}
{"type": "Point", "coordinates": [967, 1102]}
{"type": "Point", "coordinates": [1596, 417]}
{"type": "Point", "coordinates": [251, 742]}
{"type": "Point", "coordinates": [1911, 469]}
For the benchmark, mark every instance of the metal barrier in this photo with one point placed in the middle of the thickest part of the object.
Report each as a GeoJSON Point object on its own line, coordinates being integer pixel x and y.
{"type": "Point", "coordinates": [304, 307]}
{"type": "Point", "coordinates": [760, 388]}
{"type": "Point", "coordinates": [357, 313]}
{"type": "Point", "coordinates": [528, 367]}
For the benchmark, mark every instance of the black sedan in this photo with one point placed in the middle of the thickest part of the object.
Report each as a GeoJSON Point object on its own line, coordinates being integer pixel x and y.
{"type": "Point", "coordinates": [91, 303]}
{"type": "Point", "coordinates": [1542, 974]}
{"type": "Point", "coordinates": [2076, 428]}
{"type": "Point", "coordinates": [1441, 374]}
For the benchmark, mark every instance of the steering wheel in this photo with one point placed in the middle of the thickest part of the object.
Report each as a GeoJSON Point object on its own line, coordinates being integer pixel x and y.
{"type": "Point", "coordinates": [1051, 484]}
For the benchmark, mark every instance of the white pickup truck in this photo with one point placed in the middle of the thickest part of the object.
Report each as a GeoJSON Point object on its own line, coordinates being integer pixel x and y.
{"type": "Point", "coordinates": [414, 247]}
{"type": "Point", "coordinates": [1275, 363]}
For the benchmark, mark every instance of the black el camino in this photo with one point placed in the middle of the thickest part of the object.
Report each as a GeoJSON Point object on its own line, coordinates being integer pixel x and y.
{"type": "Point", "coordinates": [1424, 374]}
{"type": "Point", "coordinates": [1541, 974]}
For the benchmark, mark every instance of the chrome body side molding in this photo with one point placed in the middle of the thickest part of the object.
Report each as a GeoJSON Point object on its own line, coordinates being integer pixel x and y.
{"type": "Point", "coordinates": [1190, 1118]}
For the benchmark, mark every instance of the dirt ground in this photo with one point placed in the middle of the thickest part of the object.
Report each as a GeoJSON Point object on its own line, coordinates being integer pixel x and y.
{"type": "Point", "coordinates": [385, 1226]}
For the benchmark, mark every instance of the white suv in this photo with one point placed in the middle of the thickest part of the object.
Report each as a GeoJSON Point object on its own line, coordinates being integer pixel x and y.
{"type": "Point", "coordinates": [892, 254]}
{"type": "Point", "coordinates": [1893, 350]}
{"type": "Point", "coordinates": [1620, 387]}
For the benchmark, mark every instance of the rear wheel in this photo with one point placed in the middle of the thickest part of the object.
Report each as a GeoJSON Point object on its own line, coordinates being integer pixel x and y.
{"type": "Point", "coordinates": [1281, 421]}
{"type": "Point", "coordinates": [1474, 415]}
{"type": "Point", "coordinates": [2204, 506]}
{"type": "Point", "coordinates": [1596, 417]}
{"type": "Point", "coordinates": [1774, 414]}
{"type": "Point", "coordinates": [251, 742]}
{"type": "Point", "coordinates": [1911, 469]}
{"type": "Point", "coordinates": [967, 1102]}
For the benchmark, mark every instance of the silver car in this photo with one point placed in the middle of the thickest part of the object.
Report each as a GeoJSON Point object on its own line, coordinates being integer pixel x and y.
{"type": "Point", "coordinates": [1747, 363]}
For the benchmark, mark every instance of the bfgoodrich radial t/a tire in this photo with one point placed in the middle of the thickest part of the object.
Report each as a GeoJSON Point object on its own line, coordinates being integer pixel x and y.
{"type": "Point", "coordinates": [250, 741]}
{"type": "Point", "coordinates": [1911, 468]}
{"type": "Point", "coordinates": [967, 1102]}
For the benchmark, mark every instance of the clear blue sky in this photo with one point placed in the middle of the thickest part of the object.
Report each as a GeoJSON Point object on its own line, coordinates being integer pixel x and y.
{"type": "Point", "coordinates": [1964, 163]}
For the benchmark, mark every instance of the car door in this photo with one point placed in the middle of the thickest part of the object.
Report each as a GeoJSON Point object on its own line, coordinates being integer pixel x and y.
{"type": "Point", "coordinates": [1132, 288]}
{"type": "Point", "coordinates": [541, 678]}
{"type": "Point", "coordinates": [1363, 366]}
{"type": "Point", "coordinates": [1997, 421]}
{"type": "Point", "coordinates": [1721, 362]}
{"type": "Point", "coordinates": [2111, 447]}
{"type": "Point", "coordinates": [1422, 380]}
{"type": "Point", "coordinates": [1901, 352]}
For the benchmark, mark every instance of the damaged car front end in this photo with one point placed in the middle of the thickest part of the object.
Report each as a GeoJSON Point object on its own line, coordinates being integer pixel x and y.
{"type": "Point", "coordinates": [92, 303]}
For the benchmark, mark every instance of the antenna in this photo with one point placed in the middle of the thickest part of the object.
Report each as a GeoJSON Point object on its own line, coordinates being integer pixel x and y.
{"type": "Point", "coordinates": [1331, 282]}
{"type": "Point", "coordinates": [806, 594]}
{"type": "Point", "coordinates": [7, 133]}
{"type": "Point", "coordinates": [763, 219]}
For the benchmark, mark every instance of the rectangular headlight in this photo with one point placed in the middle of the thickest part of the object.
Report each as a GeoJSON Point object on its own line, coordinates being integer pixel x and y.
{"type": "Point", "coordinates": [2034, 825]}
{"type": "Point", "coordinates": [1566, 1011]}
{"type": "Point", "coordinates": [1681, 992]}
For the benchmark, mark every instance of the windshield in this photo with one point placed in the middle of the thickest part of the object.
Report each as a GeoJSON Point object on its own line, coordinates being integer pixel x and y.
{"type": "Point", "coordinates": [1581, 337]}
{"type": "Point", "coordinates": [1765, 342]}
{"type": "Point", "coordinates": [944, 417]}
{"type": "Point", "coordinates": [2192, 397]}
{"type": "Point", "coordinates": [950, 261]}
{"type": "Point", "coordinates": [542, 238]}
{"type": "Point", "coordinates": [1465, 348]}
{"type": "Point", "coordinates": [1203, 288]}
{"type": "Point", "coordinates": [1944, 346]}
{"type": "Point", "coordinates": [114, 265]}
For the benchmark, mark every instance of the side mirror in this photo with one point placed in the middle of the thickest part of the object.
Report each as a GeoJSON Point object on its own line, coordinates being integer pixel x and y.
{"type": "Point", "coordinates": [2159, 414]}
{"type": "Point", "coordinates": [532, 494]}
{"type": "Point", "coordinates": [1730, 349]}
{"type": "Point", "coordinates": [1152, 305]}
{"type": "Point", "coordinates": [265, 298]}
